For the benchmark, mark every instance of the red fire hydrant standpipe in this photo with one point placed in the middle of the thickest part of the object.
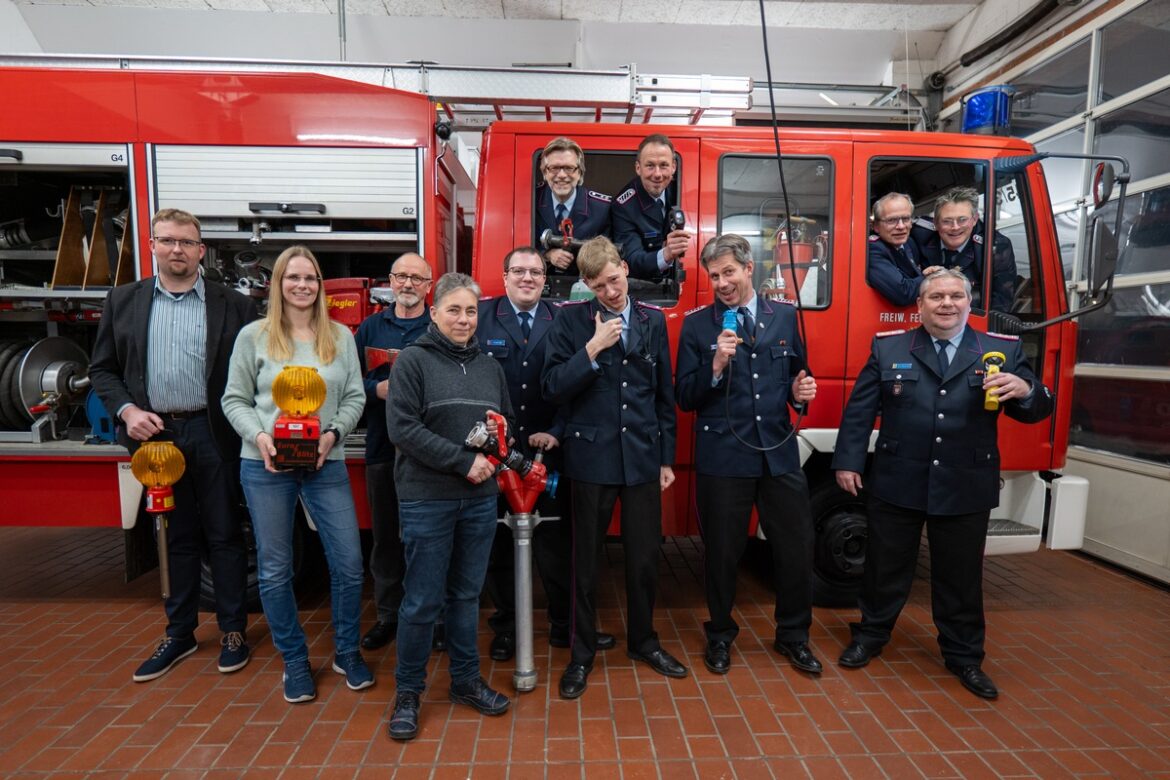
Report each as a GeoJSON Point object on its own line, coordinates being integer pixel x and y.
{"type": "Point", "coordinates": [521, 481]}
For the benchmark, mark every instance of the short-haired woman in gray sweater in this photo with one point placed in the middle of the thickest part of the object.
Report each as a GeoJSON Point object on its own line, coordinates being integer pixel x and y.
{"type": "Point", "coordinates": [443, 385]}
{"type": "Point", "coordinates": [297, 331]}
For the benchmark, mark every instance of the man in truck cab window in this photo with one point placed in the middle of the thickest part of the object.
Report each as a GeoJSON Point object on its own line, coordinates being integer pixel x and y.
{"type": "Point", "coordinates": [893, 261]}
{"type": "Point", "coordinates": [935, 463]}
{"type": "Point", "coordinates": [564, 205]}
{"type": "Point", "coordinates": [954, 239]}
{"type": "Point", "coordinates": [641, 212]}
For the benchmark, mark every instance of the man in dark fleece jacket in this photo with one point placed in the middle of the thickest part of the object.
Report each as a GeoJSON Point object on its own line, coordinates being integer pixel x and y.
{"type": "Point", "coordinates": [443, 385]}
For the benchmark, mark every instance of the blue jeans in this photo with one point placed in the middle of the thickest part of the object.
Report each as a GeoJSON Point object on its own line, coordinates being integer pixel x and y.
{"type": "Point", "coordinates": [327, 498]}
{"type": "Point", "coordinates": [447, 545]}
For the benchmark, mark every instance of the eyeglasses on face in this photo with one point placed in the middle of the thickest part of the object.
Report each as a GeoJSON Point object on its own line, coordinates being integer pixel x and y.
{"type": "Point", "coordinates": [298, 279]}
{"type": "Point", "coordinates": [520, 273]}
{"type": "Point", "coordinates": [951, 222]}
{"type": "Point", "coordinates": [566, 169]}
{"type": "Point", "coordinates": [412, 278]}
{"type": "Point", "coordinates": [166, 242]}
{"type": "Point", "coordinates": [895, 221]}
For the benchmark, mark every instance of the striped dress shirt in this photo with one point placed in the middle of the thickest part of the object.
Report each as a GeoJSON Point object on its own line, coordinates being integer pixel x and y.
{"type": "Point", "coordinates": [176, 352]}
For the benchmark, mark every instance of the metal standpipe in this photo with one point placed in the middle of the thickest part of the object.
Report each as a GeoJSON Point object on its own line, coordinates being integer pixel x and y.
{"type": "Point", "coordinates": [523, 526]}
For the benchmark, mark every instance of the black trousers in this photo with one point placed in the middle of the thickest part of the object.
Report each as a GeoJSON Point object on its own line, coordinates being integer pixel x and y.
{"type": "Point", "coordinates": [641, 531]}
{"type": "Point", "coordinates": [207, 516]}
{"type": "Point", "coordinates": [552, 545]}
{"type": "Point", "coordinates": [387, 557]}
{"type": "Point", "coordinates": [956, 577]}
{"type": "Point", "coordinates": [725, 510]}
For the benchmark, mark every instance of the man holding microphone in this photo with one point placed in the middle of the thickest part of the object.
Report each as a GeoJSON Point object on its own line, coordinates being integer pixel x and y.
{"type": "Point", "coordinates": [740, 366]}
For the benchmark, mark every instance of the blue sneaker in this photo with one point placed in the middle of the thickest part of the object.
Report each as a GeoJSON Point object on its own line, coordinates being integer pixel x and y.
{"type": "Point", "coordinates": [478, 695]}
{"type": "Point", "coordinates": [233, 653]}
{"type": "Point", "coordinates": [298, 682]}
{"type": "Point", "coordinates": [353, 666]}
{"type": "Point", "coordinates": [168, 653]}
{"type": "Point", "coordinates": [404, 721]}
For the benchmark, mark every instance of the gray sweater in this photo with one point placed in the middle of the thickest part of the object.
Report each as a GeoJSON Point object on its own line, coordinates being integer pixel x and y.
{"type": "Point", "coordinates": [247, 400]}
{"type": "Point", "coordinates": [439, 394]}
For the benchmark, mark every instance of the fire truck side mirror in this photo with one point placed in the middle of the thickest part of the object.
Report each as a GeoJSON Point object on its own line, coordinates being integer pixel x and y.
{"type": "Point", "coordinates": [1103, 178]}
{"type": "Point", "coordinates": [1102, 263]}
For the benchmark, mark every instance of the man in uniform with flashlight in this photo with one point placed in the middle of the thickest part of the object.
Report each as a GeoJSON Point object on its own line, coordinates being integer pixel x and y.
{"type": "Point", "coordinates": [739, 381]}
{"type": "Point", "coordinates": [936, 463]}
{"type": "Point", "coordinates": [160, 363]}
{"type": "Point", "coordinates": [642, 226]}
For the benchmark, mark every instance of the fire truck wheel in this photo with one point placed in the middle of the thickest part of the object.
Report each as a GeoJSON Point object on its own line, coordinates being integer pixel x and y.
{"type": "Point", "coordinates": [839, 547]}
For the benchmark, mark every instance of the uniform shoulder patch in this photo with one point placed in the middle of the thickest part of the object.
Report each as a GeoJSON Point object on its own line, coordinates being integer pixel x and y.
{"type": "Point", "coordinates": [600, 196]}
{"type": "Point", "coordinates": [977, 238]}
{"type": "Point", "coordinates": [697, 308]}
{"type": "Point", "coordinates": [874, 237]}
{"type": "Point", "coordinates": [886, 333]}
{"type": "Point", "coordinates": [1004, 336]}
{"type": "Point", "coordinates": [788, 301]}
{"type": "Point", "coordinates": [645, 305]}
{"type": "Point", "coordinates": [625, 196]}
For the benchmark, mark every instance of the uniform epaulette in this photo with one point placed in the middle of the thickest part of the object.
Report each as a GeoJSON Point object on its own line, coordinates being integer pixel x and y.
{"type": "Point", "coordinates": [923, 222]}
{"type": "Point", "coordinates": [874, 237]}
{"type": "Point", "coordinates": [885, 333]}
{"type": "Point", "coordinates": [697, 308]}
{"type": "Point", "coordinates": [789, 301]}
{"type": "Point", "coordinates": [977, 238]}
{"type": "Point", "coordinates": [1005, 336]}
{"type": "Point", "coordinates": [625, 196]}
{"type": "Point", "coordinates": [600, 196]}
{"type": "Point", "coordinates": [645, 305]}
{"type": "Point", "coordinates": [574, 303]}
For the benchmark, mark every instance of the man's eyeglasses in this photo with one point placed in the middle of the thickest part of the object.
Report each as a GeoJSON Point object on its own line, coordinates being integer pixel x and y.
{"type": "Point", "coordinates": [520, 273]}
{"type": "Point", "coordinates": [951, 222]}
{"type": "Point", "coordinates": [298, 279]}
{"type": "Point", "coordinates": [169, 243]}
{"type": "Point", "coordinates": [895, 221]}
{"type": "Point", "coordinates": [568, 169]}
{"type": "Point", "coordinates": [415, 280]}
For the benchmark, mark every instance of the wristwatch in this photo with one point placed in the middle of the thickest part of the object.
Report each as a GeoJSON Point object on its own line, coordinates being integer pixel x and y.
{"type": "Point", "coordinates": [336, 434]}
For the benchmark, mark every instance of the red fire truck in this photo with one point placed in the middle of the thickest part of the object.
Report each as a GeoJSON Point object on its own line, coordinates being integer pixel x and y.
{"type": "Point", "coordinates": [357, 171]}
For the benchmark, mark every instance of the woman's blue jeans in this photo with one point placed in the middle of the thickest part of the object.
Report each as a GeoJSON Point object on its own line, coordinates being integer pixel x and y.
{"type": "Point", "coordinates": [447, 544]}
{"type": "Point", "coordinates": [272, 502]}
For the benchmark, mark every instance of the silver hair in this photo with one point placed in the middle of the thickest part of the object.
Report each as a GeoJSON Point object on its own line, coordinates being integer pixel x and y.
{"type": "Point", "coordinates": [953, 273]}
{"type": "Point", "coordinates": [879, 204]}
{"type": "Point", "coordinates": [727, 245]}
{"type": "Point", "coordinates": [958, 195]}
{"type": "Point", "coordinates": [453, 282]}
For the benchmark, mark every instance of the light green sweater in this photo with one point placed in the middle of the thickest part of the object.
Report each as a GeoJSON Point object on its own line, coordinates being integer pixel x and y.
{"type": "Point", "coordinates": [247, 400]}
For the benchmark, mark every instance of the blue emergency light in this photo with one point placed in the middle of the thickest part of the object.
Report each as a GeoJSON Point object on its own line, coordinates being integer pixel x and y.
{"type": "Point", "coordinates": [988, 111]}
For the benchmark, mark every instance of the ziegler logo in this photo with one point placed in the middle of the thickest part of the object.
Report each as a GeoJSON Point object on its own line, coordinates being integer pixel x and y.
{"type": "Point", "coordinates": [340, 303]}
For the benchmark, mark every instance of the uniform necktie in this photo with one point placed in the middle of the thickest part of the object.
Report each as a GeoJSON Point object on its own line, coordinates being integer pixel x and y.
{"type": "Point", "coordinates": [749, 325]}
{"type": "Point", "coordinates": [562, 212]}
{"type": "Point", "coordinates": [944, 362]}
{"type": "Point", "coordinates": [525, 325]}
{"type": "Point", "coordinates": [661, 209]}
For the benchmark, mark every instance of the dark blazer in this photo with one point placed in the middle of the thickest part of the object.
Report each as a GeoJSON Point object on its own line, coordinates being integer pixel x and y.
{"type": "Point", "coordinates": [937, 450]}
{"type": "Point", "coordinates": [969, 260]}
{"type": "Point", "coordinates": [893, 274]}
{"type": "Point", "coordinates": [619, 418]}
{"type": "Point", "coordinates": [118, 370]}
{"type": "Point", "coordinates": [590, 216]}
{"type": "Point", "coordinates": [500, 337]}
{"type": "Point", "coordinates": [638, 230]}
{"type": "Point", "coordinates": [760, 393]}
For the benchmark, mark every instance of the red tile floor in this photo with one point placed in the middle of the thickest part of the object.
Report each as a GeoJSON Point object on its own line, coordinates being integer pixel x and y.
{"type": "Point", "coordinates": [1080, 651]}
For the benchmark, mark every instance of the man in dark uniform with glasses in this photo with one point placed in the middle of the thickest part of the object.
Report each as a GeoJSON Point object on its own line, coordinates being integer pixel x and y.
{"type": "Point", "coordinates": [893, 263]}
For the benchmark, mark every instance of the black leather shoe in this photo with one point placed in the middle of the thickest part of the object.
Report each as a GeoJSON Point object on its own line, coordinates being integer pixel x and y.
{"type": "Point", "coordinates": [604, 641]}
{"type": "Point", "coordinates": [717, 658]}
{"type": "Point", "coordinates": [380, 635]}
{"type": "Point", "coordinates": [439, 638]}
{"type": "Point", "coordinates": [799, 656]}
{"type": "Point", "coordinates": [503, 647]}
{"type": "Point", "coordinates": [974, 679]}
{"type": "Point", "coordinates": [574, 680]}
{"type": "Point", "coordinates": [857, 655]}
{"type": "Point", "coordinates": [660, 661]}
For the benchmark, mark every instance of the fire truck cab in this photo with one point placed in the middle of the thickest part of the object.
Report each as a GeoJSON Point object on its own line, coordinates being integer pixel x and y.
{"type": "Point", "coordinates": [810, 247]}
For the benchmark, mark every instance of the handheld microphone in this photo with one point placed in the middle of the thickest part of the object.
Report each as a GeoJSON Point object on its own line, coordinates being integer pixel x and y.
{"type": "Point", "coordinates": [991, 364]}
{"type": "Point", "coordinates": [730, 322]}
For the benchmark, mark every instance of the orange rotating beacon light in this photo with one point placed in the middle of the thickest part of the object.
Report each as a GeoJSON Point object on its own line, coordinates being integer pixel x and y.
{"type": "Point", "coordinates": [299, 391]}
{"type": "Point", "coordinates": [158, 465]}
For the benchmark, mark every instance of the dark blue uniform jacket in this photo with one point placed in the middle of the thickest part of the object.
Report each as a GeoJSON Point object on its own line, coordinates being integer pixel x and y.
{"type": "Point", "coordinates": [500, 337]}
{"type": "Point", "coordinates": [619, 418]}
{"type": "Point", "coordinates": [590, 215]}
{"type": "Point", "coordinates": [893, 274]}
{"type": "Point", "coordinates": [638, 229]}
{"type": "Point", "coordinates": [761, 378]}
{"type": "Point", "coordinates": [937, 449]}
